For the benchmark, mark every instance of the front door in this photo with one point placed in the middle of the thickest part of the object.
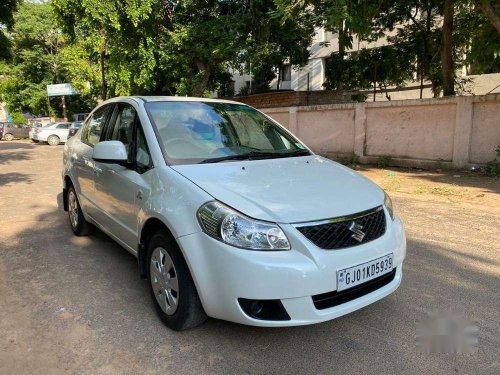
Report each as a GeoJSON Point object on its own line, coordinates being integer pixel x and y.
{"type": "Point", "coordinates": [120, 190]}
{"type": "Point", "coordinates": [81, 158]}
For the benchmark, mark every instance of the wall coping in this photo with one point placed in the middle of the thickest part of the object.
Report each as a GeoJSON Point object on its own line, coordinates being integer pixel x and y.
{"type": "Point", "coordinates": [392, 103]}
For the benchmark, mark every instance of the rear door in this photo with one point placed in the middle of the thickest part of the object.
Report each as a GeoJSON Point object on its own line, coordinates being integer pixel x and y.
{"type": "Point", "coordinates": [120, 190]}
{"type": "Point", "coordinates": [81, 158]}
{"type": "Point", "coordinates": [63, 130]}
{"type": "Point", "coordinates": [25, 131]}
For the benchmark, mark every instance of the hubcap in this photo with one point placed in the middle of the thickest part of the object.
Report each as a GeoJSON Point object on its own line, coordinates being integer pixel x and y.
{"type": "Point", "coordinates": [73, 209]}
{"type": "Point", "coordinates": [164, 280]}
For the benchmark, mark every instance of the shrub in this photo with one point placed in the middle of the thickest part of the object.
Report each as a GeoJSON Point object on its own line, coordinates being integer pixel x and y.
{"type": "Point", "coordinates": [383, 161]}
{"type": "Point", "coordinates": [493, 167]}
{"type": "Point", "coordinates": [352, 159]}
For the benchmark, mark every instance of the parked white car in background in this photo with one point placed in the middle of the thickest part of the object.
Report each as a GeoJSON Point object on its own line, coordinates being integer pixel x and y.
{"type": "Point", "coordinates": [229, 214]}
{"type": "Point", "coordinates": [53, 134]}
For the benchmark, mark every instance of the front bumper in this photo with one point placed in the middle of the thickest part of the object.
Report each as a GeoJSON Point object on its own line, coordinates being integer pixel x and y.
{"type": "Point", "coordinates": [223, 274]}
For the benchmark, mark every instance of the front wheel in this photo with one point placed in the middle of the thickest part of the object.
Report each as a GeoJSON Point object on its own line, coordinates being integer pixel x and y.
{"type": "Point", "coordinates": [79, 225]}
{"type": "Point", "coordinates": [53, 140]}
{"type": "Point", "coordinates": [172, 288]}
{"type": "Point", "coordinates": [8, 137]}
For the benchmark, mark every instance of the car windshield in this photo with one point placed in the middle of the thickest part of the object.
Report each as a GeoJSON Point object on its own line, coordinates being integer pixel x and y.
{"type": "Point", "coordinates": [211, 132]}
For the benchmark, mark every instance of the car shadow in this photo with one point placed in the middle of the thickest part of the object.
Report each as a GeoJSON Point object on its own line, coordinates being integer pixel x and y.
{"type": "Point", "coordinates": [98, 283]}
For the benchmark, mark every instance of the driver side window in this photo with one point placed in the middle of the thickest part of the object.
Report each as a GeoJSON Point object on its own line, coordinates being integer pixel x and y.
{"type": "Point", "coordinates": [123, 127]}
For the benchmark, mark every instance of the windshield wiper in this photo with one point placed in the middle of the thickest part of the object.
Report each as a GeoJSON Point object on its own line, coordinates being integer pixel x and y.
{"type": "Point", "coordinates": [301, 152]}
{"type": "Point", "coordinates": [256, 155]}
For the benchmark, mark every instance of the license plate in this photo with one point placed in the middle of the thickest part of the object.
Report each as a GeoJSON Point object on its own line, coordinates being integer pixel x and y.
{"type": "Point", "coordinates": [350, 277]}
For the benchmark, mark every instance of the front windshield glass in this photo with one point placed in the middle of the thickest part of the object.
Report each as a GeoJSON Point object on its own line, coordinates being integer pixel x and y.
{"type": "Point", "coordinates": [205, 132]}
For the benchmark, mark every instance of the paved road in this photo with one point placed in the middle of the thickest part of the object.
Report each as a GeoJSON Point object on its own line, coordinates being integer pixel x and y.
{"type": "Point", "coordinates": [76, 305]}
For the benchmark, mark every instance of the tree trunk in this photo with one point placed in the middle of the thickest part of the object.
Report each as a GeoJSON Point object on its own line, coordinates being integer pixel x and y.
{"type": "Point", "coordinates": [447, 65]}
{"type": "Point", "coordinates": [340, 83]}
{"type": "Point", "coordinates": [63, 102]}
{"type": "Point", "coordinates": [279, 78]}
{"type": "Point", "coordinates": [490, 14]}
{"type": "Point", "coordinates": [421, 82]}
{"type": "Point", "coordinates": [104, 83]}
{"type": "Point", "coordinates": [202, 85]}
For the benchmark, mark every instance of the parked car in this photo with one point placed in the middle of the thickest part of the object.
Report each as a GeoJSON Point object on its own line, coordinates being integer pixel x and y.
{"type": "Point", "coordinates": [74, 128]}
{"type": "Point", "coordinates": [11, 130]}
{"type": "Point", "coordinates": [229, 214]}
{"type": "Point", "coordinates": [53, 134]}
{"type": "Point", "coordinates": [32, 130]}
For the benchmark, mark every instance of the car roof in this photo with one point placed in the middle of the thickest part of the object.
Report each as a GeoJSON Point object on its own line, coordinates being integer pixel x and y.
{"type": "Point", "coordinates": [172, 99]}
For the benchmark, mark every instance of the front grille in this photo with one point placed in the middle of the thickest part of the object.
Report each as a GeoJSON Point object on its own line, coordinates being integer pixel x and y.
{"type": "Point", "coordinates": [331, 299]}
{"type": "Point", "coordinates": [335, 233]}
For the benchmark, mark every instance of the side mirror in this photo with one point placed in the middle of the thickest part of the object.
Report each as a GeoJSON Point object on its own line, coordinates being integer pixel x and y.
{"type": "Point", "coordinates": [111, 152]}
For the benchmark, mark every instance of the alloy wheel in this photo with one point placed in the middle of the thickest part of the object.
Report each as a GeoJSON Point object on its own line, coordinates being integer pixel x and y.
{"type": "Point", "coordinates": [53, 140]}
{"type": "Point", "coordinates": [163, 277]}
{"type": "Point", "coordinates": [73, 209]}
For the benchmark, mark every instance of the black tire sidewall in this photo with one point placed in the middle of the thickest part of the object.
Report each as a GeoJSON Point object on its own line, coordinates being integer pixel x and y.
{"type": "Point", "coordinates": [81, 228]}
{"type": "Point", "coordinates": [188, 299]}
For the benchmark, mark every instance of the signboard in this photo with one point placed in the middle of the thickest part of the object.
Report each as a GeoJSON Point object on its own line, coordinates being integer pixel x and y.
{"type": "Point", "coordinates": [61, 89]}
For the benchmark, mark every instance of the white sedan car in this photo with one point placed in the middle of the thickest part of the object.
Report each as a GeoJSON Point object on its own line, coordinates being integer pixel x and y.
{"type": "Point", "coordinates": [229, 214]}
{"type": "Point", "coordinates": [53, 134]}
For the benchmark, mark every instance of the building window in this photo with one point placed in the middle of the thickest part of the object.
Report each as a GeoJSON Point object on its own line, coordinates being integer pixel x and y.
{"type": "Point", "coordinates": [286, 73]}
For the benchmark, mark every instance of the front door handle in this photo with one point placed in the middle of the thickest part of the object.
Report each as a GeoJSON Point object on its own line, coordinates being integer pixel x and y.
{"type": "Point", "coordinates": [140, 194]}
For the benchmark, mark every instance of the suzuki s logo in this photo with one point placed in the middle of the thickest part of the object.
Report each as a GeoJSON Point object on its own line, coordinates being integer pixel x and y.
{"type": "Point", "coordinates": [357, 233]}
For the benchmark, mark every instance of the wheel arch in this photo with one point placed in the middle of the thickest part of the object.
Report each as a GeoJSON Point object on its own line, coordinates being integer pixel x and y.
{"type": "Point", "coordinates": [54, 135]}
{"type": "Point", "coordinates": [67, 182]}
{"type": "Point", "coordinates": [150, 227]}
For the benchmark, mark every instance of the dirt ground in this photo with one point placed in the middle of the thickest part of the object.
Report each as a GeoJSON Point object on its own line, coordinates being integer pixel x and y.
{"type": "Point", "coordinates": [76, 305]}
{"type": "Point", "coordinates": [457, 188]}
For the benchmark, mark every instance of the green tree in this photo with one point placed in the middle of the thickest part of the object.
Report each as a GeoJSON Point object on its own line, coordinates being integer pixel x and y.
{"type": "Point", "coordinates": [370, 68]}
{"type": "Point", "coordinates": [104, 25]}
{"type": "Point", "coordinates": [37, 46]}
{"type": "Point", "coordinates": [7, 9]}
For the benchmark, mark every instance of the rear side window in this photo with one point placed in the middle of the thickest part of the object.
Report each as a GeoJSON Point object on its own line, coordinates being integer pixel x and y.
{"type": "Point", "coordinates": [63, 126]}
{"type": "Point", "coordinates": [93, 128]}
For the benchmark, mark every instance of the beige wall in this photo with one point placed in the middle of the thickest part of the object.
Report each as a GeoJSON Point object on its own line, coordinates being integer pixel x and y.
{"type": "Point", "coordinates": [336, 127]}
{"type": "Point", "coordinates": [420, 132]}
{"type": "Point", "coordinates": [485, 131]}
{"type": "Point", "coordinates": [454, 132]}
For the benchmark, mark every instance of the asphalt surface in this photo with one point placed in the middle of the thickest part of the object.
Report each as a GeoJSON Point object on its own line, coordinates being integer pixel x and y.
{"type": "Point", "coordinates": [76, 305]}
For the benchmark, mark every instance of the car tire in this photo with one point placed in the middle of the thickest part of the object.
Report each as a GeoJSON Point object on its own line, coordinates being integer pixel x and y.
{"type": "Point", "coordinates": [8, 137]}
{"type": "Point", "coordinates": [166, 269]}
{"type": "Point", "coordinates": [53, 140]}
{"type": "Point", "coordinates": [79, 225]}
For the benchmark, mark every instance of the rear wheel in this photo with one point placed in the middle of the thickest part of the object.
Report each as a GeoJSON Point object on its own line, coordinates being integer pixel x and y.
{"type": "Point", "coordinates": [79, 225]}
{"type": "Point", "coordinates": [53, 140]}
{"type": "Point", "coordinates": [171, 285]}
{"type": "Point", "coordinates": [8, 137]}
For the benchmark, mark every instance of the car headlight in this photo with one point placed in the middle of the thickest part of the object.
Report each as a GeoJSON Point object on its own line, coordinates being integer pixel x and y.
{"type": "Point", "coordinates": [233, 228]}
{"type": "Point", "coordinates": [388, 205]}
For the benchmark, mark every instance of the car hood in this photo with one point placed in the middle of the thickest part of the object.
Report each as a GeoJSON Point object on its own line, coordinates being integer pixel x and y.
{"type": "Point", "coordinates": [286, 190]}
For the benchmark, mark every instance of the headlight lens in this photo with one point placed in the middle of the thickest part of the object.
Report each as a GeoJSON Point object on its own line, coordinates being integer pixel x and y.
{"type": "Point", "coordinates": [233, 228]}
{"type": "Point", "coordinates": [388, 205]}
